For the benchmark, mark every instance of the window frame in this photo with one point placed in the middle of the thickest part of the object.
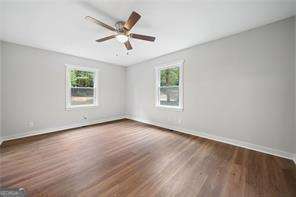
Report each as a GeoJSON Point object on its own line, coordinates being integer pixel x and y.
{"type": "Point", "coordinates": [180, 64]}
{"type": "Point", "coordinates": [68, 86]}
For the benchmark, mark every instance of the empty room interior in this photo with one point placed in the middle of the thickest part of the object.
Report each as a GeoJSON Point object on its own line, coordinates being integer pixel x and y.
{"type": "Point", "coordinates": [148, 98]}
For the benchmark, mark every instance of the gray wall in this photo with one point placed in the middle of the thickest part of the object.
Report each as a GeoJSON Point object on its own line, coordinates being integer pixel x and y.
{"type": "Point", "coordinates": [294, 138]}
{"type": "Point", "coordinates": [240, 87]}
{"type": "Point", "coordinates": [34, 90]}
{"type": "Point", "coordinates": [0, 90]}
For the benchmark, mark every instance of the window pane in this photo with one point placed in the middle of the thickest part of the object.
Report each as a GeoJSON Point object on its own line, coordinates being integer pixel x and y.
{"type": "Point", "coordinates": [169, 96]}
{"type": "Point", "coordinates": [82, 96]}
{"type": "Point", "coordinates": [169, 77]}
{"type": "Point", "coordinates": [81, 78]}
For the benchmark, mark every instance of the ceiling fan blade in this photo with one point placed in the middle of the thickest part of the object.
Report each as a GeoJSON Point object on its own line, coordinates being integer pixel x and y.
{"type": "Point", "coordinates": [132, 20]}
{"type": "Point", "coordinates": [89, 18]}
{"type": "Point", "coordinates": [106, 38]}
{"type": "Point", "coordinates": [143, 37]}
{"type": "Point", "coordinates": [128, 45]}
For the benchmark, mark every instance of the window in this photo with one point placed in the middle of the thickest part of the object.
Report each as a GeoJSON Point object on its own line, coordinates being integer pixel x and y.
{"type": "Point", "coordinates": [81, 84]}
{"type": "Point", "coordinates": [169, 86]}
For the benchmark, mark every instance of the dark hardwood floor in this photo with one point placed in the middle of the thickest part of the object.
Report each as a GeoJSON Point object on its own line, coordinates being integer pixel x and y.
{"type": "Point", "coordinates": [127, 158]}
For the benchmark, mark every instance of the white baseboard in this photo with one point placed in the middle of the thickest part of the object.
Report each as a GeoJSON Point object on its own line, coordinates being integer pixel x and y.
{"type": "Point", "coordinates": [55, 129]}
{"type": "Point", "coordinates": [294, 158]}
{"type": "Point", "coordinates": [234, 142]}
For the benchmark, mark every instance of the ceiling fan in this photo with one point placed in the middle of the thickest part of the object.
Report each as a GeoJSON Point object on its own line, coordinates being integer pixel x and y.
{"type": "Point", "coordinates": [122, 30]}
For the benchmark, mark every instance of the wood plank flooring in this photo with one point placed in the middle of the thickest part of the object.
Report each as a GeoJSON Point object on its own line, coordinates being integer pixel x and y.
{"type": "Point", "coordinates": [127, 158]}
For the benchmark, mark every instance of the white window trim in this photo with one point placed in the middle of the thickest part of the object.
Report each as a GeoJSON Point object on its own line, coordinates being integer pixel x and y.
{"type": "Point", "coordinates": [68, 86]}
{"type": "Point", "coordinates": [180, 64]}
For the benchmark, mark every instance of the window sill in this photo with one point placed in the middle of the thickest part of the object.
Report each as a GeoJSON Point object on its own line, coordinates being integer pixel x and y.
{"type": "Point", "coordinates": [170, 108]}
{"type": "Point", "coordinates": [81, 106]}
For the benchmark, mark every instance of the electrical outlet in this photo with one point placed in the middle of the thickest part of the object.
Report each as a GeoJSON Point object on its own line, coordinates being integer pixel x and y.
{"type": "Point", "coordinates": [179, 121]}
{"type": "Point", "coordinates": [31, 124]}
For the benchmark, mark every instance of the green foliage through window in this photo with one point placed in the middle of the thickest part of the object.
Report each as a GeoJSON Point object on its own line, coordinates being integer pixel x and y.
{"type": "Point", "coordinates": [169, 77]}
{"type": "Point", "coordinates": [81, 78]}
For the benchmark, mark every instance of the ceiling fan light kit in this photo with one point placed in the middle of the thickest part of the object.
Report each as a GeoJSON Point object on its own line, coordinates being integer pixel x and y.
{"type": "Point", "coordinates": [123, 30]}
{"type": "Point", "coordinates": [121, 38]}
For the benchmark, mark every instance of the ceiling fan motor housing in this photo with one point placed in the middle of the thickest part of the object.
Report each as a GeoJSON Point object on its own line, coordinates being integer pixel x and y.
{"type": "Point", "coordinates": [120, 26]}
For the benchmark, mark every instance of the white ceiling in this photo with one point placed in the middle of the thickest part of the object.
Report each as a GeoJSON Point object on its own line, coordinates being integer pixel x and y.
{"type": "Point", "coordinates": [60, 26]}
